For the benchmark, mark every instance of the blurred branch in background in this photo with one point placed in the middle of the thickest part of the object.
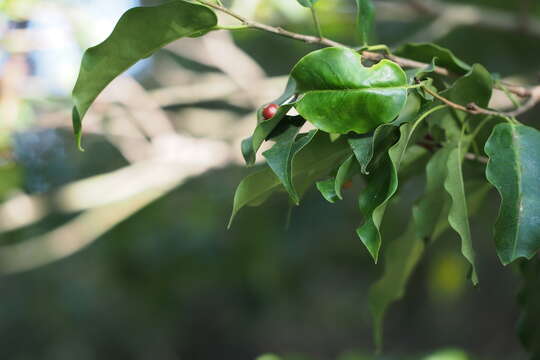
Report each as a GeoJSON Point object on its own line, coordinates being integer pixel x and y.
{"type": "Point", "coordinates": [447, 17]}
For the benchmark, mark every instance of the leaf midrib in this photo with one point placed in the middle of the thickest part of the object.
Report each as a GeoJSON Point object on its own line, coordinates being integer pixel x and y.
{"type": "Point", "coordinates": [517, 167]}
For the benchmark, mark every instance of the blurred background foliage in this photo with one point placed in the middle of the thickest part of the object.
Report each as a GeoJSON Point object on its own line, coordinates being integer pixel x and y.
{"type": "Point", "coordinates": [121, 252]}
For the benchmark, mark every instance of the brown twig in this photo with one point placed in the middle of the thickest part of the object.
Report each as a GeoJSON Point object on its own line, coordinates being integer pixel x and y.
{"type": "Point", "coordinates": [370, 55]}
{"type": "Point", "coordinates": [474, 109]}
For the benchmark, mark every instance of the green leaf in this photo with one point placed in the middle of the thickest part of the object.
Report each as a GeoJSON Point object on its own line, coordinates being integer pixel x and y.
{"type": "Point", "coordinates": [365, 20]}
{"type": "Point", "coordinates": [346, 171]}
{"type": "Point", "coordinates": [432, 208]}
{"type": "Point", "coordinates": [401, 258]}
{"type": "Point", "coordinates": [327, 188]}
{"type": "Point", "coordinates": [264, 127]}
{"type": "Point", "coordinates": [340, 95]}
{"type": "Point", "coordinates": [331, 189]}
{"type": "Point", "coordinates": [139, 33]}
{"type": "Point", "coordinates": [307, 3]}
{"type": "Point", "coordinates": [514, 169]}
{"type": "Point", "coordinates": [476, 86]}
{"type": "Point", "coordinates": [529, 301]}
{"type": "Point", "coordinates": [382, 185]}
{"type": "Point", "coordinates": [426, 52]}
{"type": "Point", "coordinates": [365, 145]}
{"type": "Point", "coordinates": [314, 161]}
{"type": "Point", "coordinates": [458, 216]}
{"type": "Point", "coordinates": [280, 156]}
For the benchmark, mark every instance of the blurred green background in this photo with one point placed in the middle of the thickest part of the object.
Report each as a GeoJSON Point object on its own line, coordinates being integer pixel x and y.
{"type": "Point", "coordinates": [122, 252]}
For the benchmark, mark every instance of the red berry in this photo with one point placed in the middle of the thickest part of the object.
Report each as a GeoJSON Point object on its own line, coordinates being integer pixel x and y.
{"type": "Point", "coordinates": [269, 111]}
{"type": "Point", "coordinates": [347, 185]}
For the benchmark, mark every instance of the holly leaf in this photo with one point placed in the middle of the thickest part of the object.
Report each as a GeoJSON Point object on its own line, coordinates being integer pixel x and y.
{"type": "Point", "coordinates": [339, 94]}
{"type": "Point", "coordinates": [313, 162]}
{"type": "Point", "coordinates": [458, 216]}
{"type": "Point", "coordinates": [426, 52]}
{"type": "Point", "coordinates": [139, 33]}
{"type": "Point", "coordinates": [365, 20]}
{"type": "Point", "coordinates": [264, 127]}
{"type": "Point", "coordinates": [514, 169]}
{"type": "Point", "coordinates": [280, 156]}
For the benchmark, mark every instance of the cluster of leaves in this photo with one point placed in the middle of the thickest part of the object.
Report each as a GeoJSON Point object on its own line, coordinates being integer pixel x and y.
{"type": "Point", "coordinates": [373, 121]}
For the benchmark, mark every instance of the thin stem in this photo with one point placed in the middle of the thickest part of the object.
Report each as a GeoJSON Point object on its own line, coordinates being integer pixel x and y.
{"type": "Point", "coordinates": [480, 126]}
{"type": "Point", "coordinates": [271, 29]}
{"type": "Point", "coordinates": [316, 21]}
{"type": "Point", "coordinates": [425, 115]}
{"type": "Point", "coordinates": [509, 95]}
{"type": "Point", "coordinates": [231, 27]}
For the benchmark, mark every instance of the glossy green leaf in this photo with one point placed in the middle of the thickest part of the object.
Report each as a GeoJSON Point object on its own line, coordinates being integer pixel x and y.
{"type": "Point", "coordinates": [426, 52]}
{"type": "Point", "coordinates": [401, 258]}
{"type": "Point", "coordinates": [280, 156]}
{"type": "Point", "coordinates": [264, 127]}
{"type": "Point", "coordinates": [339, 94]}
{"type": "Point", "coordinates": [514, 169]}
{"type": "Point", "coordinates": [458, 216]}
{"type": "Point", "coordinates": [365, 20]}
{"type": "Point", "coordinates": [139, 33]}
{"type": "Point", "coordinates": [307, 3]}
{"type": "Point", "coordinates": [313, 162]}
{"type": "Point", "coordinates": [529, 301]}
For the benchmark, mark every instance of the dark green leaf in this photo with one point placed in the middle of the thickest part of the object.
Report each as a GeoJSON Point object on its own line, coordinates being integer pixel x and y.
{"type": "Point", "coordinates": [315, 161]}
{"type": "Point", "coordinates": [382, 185]}
{"type": "Point", "coordinates": [139, 33]}
{"type": "Point", "coordinates": [365, 20]}
{"type": "Point", "coordinates": [426, 52]}
{"type": "Point", "coordinates": [340, 95]}
{"type": "Point", "coordinates": [514, 169]}
{"type": "Point", "coordinates": [458, 216]}
{"type": "Point", "coordinates": [280, 156]}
